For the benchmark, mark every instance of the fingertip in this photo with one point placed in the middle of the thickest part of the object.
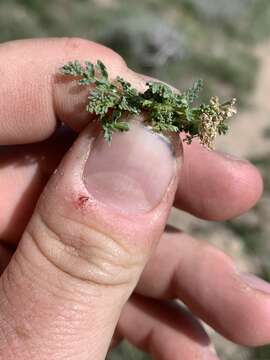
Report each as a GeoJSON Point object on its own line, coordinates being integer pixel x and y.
{"type": "Point", "coordinates": [246, 330]}
{"type": "Point", "coordinates": [215, 186]}
{"type": "Point", "coordinates": [241, 187]}
{"type": "Point", "coordinates": [254, 293]}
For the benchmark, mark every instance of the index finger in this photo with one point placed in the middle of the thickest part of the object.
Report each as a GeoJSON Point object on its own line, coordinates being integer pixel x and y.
{"type": "Point", "coordinates": [33, 97]}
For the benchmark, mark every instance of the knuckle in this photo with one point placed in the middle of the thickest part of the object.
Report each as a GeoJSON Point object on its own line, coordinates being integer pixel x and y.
{"type": "Point", "coordinates": [82, 252]}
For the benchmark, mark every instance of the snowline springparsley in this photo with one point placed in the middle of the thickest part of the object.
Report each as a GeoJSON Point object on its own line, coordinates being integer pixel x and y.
{"type": "Point", "coordinates": [164, 110]}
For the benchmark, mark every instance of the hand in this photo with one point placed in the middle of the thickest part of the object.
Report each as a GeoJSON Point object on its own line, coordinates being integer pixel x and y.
{"type": "Point", "coordinates": [70, 265]}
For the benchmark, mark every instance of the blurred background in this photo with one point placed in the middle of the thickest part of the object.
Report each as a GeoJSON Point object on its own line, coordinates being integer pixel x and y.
{"type": "Point", "coordinates": [227, 43]}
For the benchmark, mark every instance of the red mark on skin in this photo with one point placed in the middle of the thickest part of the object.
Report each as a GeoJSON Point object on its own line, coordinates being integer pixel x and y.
{"type": "Point", "coordinates": [81, 202]}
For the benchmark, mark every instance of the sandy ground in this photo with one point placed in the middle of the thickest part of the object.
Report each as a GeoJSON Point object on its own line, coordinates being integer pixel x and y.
{"type": "Point", "coordinates": [247, 131]}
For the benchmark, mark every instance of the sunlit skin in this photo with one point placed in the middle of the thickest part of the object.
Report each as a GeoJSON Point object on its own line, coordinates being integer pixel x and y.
{"type": "Point", "coordinates": [43, 280]}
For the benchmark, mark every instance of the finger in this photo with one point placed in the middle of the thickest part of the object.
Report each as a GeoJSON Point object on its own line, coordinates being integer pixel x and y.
{"type": "Point", "coordinates": [24, 171]}
{"type": "Point", "coordinates": [38, 96]}
{"type": "Point", "coordinates": [209, 283]}
{"type": "Point", "coordinates": [212, 186]}
{"type": "Point", "coordinates": [166, 330]}
{"type": "Point", "coordinates": [93, 230]}
{"type": "Point", "coordinates": [217, 186]}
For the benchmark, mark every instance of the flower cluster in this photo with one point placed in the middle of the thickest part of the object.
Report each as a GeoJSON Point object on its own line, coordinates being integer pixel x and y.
{"type": "Point", "coordinates": [213, 121]}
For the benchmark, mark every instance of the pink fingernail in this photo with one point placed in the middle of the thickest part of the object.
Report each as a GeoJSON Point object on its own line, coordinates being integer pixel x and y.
{"type": "Point", "coordinates": [255, 282]}
{"type": "Point", "coordinates": [132, 173]}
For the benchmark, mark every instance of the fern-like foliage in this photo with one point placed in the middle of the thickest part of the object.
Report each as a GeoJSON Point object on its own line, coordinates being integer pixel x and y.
{"type": "Point", "coordinates": [164, 109]}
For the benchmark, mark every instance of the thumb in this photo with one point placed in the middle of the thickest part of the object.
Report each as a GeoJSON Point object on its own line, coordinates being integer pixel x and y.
{"type": "Point", "coordinates": [86, 245]}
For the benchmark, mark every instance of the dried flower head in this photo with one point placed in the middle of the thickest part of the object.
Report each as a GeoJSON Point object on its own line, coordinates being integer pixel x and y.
{"type": "Point", "coordinates": [213, 120]}
{"type": "Point", "coordinates": [164, 110]}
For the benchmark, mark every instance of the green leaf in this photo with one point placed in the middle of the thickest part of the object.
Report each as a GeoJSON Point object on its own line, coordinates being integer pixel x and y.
{"type": "Point", "coordinates": [71, 68]}
{"type": "Point", "coordinates": [121, 126]}
{"type": "Point", "coordinates": [89, 70]}
{"type": "Point", "coordinates": [101, 68]}
{"type": "Point", "coordinates": [107, 133]}
{"type": "Point", "coordinates": [189, 114]}
{"type": "Point", "coordinates": [193, 93]}
{"type": "Point", "coordinates": [157, 91]}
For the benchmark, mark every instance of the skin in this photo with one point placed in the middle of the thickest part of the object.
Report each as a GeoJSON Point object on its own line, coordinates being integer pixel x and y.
{"type": "Point", "coordinates": [51, 298]}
